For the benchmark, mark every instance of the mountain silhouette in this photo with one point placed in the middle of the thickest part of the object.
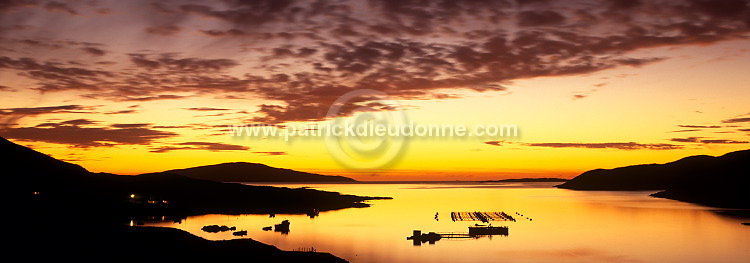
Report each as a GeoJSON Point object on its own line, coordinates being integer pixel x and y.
{"type": "Point", "coordinates": [66, 211]}
{"type": "Point", "coordinates": [714, 181]}
{"type": "Point", "coordinates": [254, 172]}
{"type": "Point", "coordinates": [31, 172]}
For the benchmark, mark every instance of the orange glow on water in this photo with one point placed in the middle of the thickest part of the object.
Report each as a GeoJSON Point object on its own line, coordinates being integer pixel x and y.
{"type": "Point", "coordinates": [565, 226]}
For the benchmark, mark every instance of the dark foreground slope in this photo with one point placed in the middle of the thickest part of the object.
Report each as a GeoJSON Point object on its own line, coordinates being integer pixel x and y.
{"type": "Point", "coordinates": [721, 181]}
{"type": "Point", "coordinates": [254, 172]}
{"type": "Point", "coordinates": [116, 243]}
{"type": "Point", "coordinates": [62, 209]}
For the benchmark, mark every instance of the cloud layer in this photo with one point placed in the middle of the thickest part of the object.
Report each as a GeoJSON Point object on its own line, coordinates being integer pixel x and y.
{"type": "Point", "coordinates": [86, 133]}
{"type": "Point", "coordinates": [300, 56]}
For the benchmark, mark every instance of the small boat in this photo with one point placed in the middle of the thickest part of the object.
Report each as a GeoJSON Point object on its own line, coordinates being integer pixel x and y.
{"type": "Point", "coordinates": [313, 213]}
{"type": "Point", "coordinates": [429, 237]}
{"type": "Point", "coordinates": [268, 228]}
{"type": "Point", "coordinates": [283, 227]}
{"type": "Point", "coordinates": [240, 233]}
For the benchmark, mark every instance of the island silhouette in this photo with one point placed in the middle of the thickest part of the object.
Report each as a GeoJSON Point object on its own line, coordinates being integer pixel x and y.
{"type": "Point", "coordinates": [254, 172]}
{"type": "Point", "coordinates": [526, 180]}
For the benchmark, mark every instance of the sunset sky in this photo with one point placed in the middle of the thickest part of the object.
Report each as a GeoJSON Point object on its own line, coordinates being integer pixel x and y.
{"type": "Point", "coordinates": [131, 87]}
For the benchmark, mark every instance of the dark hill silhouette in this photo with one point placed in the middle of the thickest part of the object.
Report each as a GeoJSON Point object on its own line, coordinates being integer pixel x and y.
{"type": "Point", "coordinates": [71, 212]}
{"type": "Point", "coordinates": [254, 172]}
{"type": "Point", "coordinates": [715, 181]}
{"type": "Point", "coordinates": [725, 184]}
{"type": "Point", "coordinates": [29, 172]}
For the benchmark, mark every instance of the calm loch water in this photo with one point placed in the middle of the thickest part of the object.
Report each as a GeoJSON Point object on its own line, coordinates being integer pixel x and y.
{"type": "Point", "coordinates": [563, 226]}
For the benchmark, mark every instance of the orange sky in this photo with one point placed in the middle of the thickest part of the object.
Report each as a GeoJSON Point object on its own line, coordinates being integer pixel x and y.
{"type": "Point", "coordinates": [135, 86]}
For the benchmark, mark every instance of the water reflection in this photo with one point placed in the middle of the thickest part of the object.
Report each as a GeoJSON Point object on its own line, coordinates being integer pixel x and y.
{"type": "Point", "coordinates": [567, 226]}
{"type": "Point", "coordinates": [154, 219]}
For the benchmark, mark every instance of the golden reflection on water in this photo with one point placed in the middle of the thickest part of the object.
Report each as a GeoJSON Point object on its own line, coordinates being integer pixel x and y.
{"type": "Point", "coordinates": [565, 226]}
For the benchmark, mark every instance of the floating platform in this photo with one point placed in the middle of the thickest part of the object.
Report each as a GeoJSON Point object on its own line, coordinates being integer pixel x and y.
{"type": "Point", "coordinates": [488, 230]}
{"type": "Point", "coordinates": [475, 231]}
{"type": "Point", "coordinates": [481, 216]}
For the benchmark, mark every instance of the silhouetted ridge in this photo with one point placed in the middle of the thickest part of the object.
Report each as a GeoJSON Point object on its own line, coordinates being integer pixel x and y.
{"type": "Point", "coordinates": [30, 172]}
{"type": "Point", "coordinates": [27, 170]}
{"type": "Point", "coordinates": [254, 172]}
{"type": "Point", "coordinates": [73, 213]}
{"type": "Point", "coordinates": [715, 181]}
